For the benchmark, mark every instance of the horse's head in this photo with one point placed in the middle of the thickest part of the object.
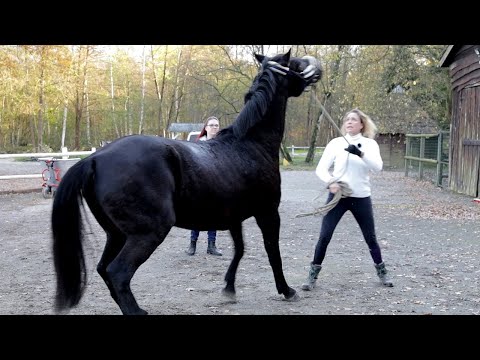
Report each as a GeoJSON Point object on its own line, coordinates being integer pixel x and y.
{"type": "Point", "coordinates": [279, 77]}
{"type": "Point", "coordinates": [300, 72]}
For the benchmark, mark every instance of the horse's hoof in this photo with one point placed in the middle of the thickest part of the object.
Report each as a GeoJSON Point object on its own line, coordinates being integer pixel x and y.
{"type": "Point", "coordinates": [229, 294]}
{"type": "Point", "coordinates": [292, 296]}
{"type": "Point", "coordinates": [138, 312]}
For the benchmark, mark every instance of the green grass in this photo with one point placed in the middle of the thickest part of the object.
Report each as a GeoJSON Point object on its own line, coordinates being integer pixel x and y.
{"type": "Point", "coordinates": [300, 164]}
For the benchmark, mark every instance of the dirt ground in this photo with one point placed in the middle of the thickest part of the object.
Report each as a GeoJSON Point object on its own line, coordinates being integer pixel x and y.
{"type": "Point", "coordinates": [429, 238]}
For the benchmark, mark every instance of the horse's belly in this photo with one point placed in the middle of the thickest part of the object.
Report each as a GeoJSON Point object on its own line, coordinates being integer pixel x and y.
{"type": "Point", "coordinates": [211, 218]}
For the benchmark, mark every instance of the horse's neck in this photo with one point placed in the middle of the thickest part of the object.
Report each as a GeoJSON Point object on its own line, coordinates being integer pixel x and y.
{"type": "Point", "coordinates": [273, 126]}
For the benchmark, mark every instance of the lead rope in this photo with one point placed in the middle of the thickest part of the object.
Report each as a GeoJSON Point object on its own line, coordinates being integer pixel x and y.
{"type": "Point", "coordinates": [344, 190]}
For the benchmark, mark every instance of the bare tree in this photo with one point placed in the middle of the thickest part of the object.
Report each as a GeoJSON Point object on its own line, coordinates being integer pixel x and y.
{"type": "Point", "coordinates": [64, 123]}
{"type": "Point", "coordinates": [142, 103]}
{"type": "Point", "coordinates": [112, 96]}
{"type": "Point", "coordinates": [330, 131]}
{"type": "Point", "coordinates": [81, 89]}
{"type": "Point", "coordinates": [87, 113]}
{"type": "Point", "coordinates": [159, 89]}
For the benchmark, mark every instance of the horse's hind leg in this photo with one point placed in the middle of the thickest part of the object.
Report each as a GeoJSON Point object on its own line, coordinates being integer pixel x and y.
{"type": "Point", "coordinates": [135, 252]}
{"type": "Point", "coordinates": [236, 233]}
{"type": "Point", "coordinates": [114, 244]}
{"type": "Point", "coordinates": [269, 224]}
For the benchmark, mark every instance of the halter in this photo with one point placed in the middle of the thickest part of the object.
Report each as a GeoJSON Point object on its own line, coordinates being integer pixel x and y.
{"type": "Point", "coordinates": [286, 71]}
{"type": "Point", "coordinates": [309, 71]}
{"type": "Point", "coordinates": [274, 66]}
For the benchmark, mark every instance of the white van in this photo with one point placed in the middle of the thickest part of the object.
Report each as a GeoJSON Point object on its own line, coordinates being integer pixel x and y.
{"type": "Point", "coordinates": [193, 135]}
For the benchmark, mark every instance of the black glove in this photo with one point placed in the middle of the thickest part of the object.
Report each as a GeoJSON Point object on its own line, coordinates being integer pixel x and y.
{"type": "Point", "coordinates": [352, 149]}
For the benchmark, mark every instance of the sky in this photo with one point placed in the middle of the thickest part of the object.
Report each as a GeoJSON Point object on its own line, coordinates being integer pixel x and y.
{"type": "Point", "coordinates": [136, 50]}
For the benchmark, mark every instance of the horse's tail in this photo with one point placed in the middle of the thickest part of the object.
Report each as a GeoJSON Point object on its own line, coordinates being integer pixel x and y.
{"type": "Point", "coordinates": [68, 254]}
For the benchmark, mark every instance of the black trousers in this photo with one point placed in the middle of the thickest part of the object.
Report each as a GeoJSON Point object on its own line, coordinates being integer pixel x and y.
{"type": "Point", "coordinates": [362, 210]}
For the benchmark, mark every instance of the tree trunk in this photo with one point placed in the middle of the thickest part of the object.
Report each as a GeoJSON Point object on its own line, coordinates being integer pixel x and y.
{"type": "Point", "coordinates": [285, 153]}
{"type": "Point", "coordinates": [316, 127]}
{"type": "Point", "coordinates": [112, 95]}
{"type": "Point", "coordinates": [81, 95]}
{"type": "Point", "coordinates": [2, 137]}
{"type": "Point", "coordinates": [313, 139]}
{"type": "Point", "coordinates": [128, 113]}
{"type": "Point", "coordinates": [64, 124]}
{"type": "Point", "coordinates": [41, 105]}
{"type": "Point", "coordinates": [142, 104]}
{"type": "Point", "coordinates": [180, 88]}
{"type": "Point", "coordinates": [329, 131]}
{"type": "Point", "coordinates": [87, 113]}
{"type": "Point", "coordinates": [32, 132]}
{"type": "Point", "coordinates": [171, 111]}
{"type": "Point", "coordinates": [159, 90]}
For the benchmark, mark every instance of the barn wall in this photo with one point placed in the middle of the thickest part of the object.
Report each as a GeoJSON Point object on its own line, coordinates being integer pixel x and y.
{"type": "Point", "coordinates": [465, 69]}
{"type": "Point", "coordinates": [465, 128]}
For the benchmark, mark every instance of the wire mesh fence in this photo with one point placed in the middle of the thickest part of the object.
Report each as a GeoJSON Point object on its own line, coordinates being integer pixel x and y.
{"type": "Point", "coordinates": [427, 157]}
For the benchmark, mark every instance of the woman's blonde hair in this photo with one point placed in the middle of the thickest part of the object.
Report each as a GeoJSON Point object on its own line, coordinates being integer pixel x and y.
{"type": "Point", "coordinates": [369, 128]}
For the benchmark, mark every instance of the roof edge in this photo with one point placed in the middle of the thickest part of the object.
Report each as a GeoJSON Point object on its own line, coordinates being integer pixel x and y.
{"type": "Point", "coordinates": [448, 55]}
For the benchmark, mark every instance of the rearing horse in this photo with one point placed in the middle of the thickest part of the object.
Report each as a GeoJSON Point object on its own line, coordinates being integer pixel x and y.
{"type": "Point", "coordinates": [139, 187]}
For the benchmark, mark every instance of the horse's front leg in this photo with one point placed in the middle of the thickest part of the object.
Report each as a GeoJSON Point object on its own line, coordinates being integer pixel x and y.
{"type": "Point", "coordinates": [239, 247]}
{"type": "Point", "coordinates": [269, 224]}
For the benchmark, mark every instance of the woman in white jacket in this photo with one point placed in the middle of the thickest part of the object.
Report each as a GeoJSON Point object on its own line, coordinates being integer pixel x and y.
{"type": "Point", "coordinates": [352, 162]}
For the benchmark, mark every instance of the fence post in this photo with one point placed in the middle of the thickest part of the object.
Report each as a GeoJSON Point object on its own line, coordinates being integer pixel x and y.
{"type": "Point", "coordinates": [64, 150]}
{"type": "Point", "coordinates": [407, 152]}
{"type": "Point", "coordinates": [439, 180]}
{"type": "Point", "coordinates": [422, 155]}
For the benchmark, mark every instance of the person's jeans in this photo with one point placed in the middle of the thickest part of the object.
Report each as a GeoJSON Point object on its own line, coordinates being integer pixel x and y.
{"type": "Point", "coordinates": [362, 211]}
{"type": "Point", "coordinates": [212, 235]}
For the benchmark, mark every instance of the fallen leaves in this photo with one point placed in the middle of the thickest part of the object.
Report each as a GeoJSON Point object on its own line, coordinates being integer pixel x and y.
{"type": "Point", "coordinates": [445, 211]}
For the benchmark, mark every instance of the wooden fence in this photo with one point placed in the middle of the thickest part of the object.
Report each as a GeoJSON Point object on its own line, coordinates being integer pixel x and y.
{"type": "Point", "coordinates": [65, 154]}
{"type": "Point", "coordinates": [292, 149]}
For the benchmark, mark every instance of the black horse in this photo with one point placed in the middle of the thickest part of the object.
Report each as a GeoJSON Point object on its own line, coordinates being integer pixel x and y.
{"type": "Point", "coordinates": [139, 187]}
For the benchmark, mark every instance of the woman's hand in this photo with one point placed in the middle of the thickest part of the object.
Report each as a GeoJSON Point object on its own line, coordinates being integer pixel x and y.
{"type": "Point", "coordinates": [352, 149]}
{"type": "Point", "coordinates": [333, 187]}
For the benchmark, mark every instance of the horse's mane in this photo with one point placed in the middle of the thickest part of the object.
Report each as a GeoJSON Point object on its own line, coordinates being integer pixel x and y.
{"type": "Point", "coordinates": [257, 101]}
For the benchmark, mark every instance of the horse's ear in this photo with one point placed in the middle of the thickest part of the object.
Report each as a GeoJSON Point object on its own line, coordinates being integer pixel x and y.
{"type": "Point", "coordinates": [259, 57]}
{"type": "Point", "coordinates": [287, 55]}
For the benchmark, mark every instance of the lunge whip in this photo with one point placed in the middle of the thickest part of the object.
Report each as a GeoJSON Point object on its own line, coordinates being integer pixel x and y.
{"type": "Point", "coordinates": [329, 118]}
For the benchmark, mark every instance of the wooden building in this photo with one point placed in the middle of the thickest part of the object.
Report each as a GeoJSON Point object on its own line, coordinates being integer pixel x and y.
{"type": "Point", "coordinates": [400, 115]}
{"type": "Point", "coordinates": [463, 62]}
